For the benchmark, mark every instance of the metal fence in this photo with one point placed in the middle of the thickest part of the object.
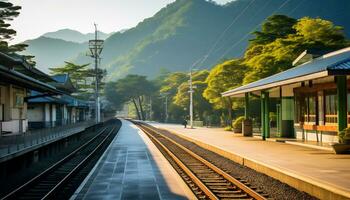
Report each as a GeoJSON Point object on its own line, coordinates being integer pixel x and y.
{"type": "Point", "coordinates": [14, 143]}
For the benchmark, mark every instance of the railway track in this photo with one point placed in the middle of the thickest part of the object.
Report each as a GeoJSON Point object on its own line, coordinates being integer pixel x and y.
{"type": "Point", "coordinates": [205, 179]}
{"type": "Point", "coordinates": [61, 179]}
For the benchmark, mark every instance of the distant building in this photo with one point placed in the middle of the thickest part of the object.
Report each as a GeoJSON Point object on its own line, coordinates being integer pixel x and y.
{"type": "Point", "coordinates": [50, 111]}
{"type": "Point", "coordinates": [310, 101]}
{"type": "Point", "coordinates": [17, 79]}
{"type": "Point", "coordinates": [46, 111]}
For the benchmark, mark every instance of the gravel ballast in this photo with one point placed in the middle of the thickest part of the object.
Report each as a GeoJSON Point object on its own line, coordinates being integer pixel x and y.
{"type": "Point", "coordinates": [273, 187]}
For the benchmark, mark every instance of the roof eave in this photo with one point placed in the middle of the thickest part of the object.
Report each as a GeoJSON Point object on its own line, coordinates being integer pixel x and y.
{"type": "Point", "coordinates": [27, 81]}
{"type": "Point", "coordinates": [237, 91]}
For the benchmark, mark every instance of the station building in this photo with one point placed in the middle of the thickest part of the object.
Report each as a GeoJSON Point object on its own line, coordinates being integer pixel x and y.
{"type": "Point", "coordinates": [50, 111]}
{"type": "Point", "coordinates": [17, 79]}
{"type": "Point", "coordinates": [31, 99]}
{"type": "Point", "coordinates": [45, 111]}
{"type": "Point", "coordinates": [310, 101]}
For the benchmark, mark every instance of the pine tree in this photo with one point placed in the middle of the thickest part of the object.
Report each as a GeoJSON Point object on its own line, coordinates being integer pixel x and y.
{"type": "Point", "coordinates": [7, 13]}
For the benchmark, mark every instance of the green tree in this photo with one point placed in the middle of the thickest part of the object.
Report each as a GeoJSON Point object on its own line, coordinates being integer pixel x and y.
{"type": "Point", "coordinates": [169, 87]}
{"type": "Point", "coordinates": [270, 58]}
{"type": "Point", "coordinates": [320, 33]}
{"type": "Point", "coordinates": [275, 26]}
{"type": "Point", "coordinates": [7, 13]}
{"type": "Point", "coordinates": [223, 77]}
{"type": "Point", "coordinates": [82, 77]}
{"type": "Point", "coordinates": [132, 88]}
{"type": "Point", "coordinates": [202, 106]}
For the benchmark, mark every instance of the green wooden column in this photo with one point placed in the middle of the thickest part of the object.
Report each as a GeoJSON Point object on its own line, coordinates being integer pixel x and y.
{"type": "Point", "coordinates": [342, 102]}
{"type": "Point", "coordinates": [262, 106]}
{"type": "Point", "coordinates": [247, 107]}
{"type": "Point", "coordinates": [267, 115]}
{"type": "Point", "coordinates": [265, 118]}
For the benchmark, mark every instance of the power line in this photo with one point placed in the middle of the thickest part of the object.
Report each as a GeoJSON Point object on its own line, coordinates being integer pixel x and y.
{"type": "Point", "coordinates": [224, 32]}
{"type": "Point", "coordinates": [296, 7]}
{"type": "Point", "coordinates": [261, 9]}
{"type": "Point", "coordinates": [253, 17]}
{"type": "Point", "coordinates": [248, 33]}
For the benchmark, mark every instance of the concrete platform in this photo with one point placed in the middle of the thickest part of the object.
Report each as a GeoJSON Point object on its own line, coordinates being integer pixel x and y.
{"type": "Point", "coordinates": [318, 172]}
{"type": "Point", "coordinates": [133, 168]}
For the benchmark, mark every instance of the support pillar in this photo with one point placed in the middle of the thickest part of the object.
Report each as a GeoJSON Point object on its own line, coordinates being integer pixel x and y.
{"type": "Point", "coordinates": [247, 106]}
{"type": "Point", "coordinates": [265, 115]}
{"type": "Point", "coordinates": [342, 102]}
{"type": "Point", "coordinates": [247, 123]}
{"type": "Point", "coordinates": [262, 108]}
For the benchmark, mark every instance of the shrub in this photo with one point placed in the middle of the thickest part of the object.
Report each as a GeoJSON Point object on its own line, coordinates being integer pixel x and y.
{"type": "Point", "coordinates": [237, 124]}
{"type": "Point", "coordinates": [344, 136]}
{"type": "Point", "coordinates": [228, 128]}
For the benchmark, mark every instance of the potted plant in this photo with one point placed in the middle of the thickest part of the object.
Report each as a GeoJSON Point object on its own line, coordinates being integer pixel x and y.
{"type": "Point", "coordinates": [237, 124]}
{"type": "Point", "coordinates": [344, 142]}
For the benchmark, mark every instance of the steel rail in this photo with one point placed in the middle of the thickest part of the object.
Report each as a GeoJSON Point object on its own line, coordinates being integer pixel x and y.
{"type": "Point", "coordinates": [147, 129]}
{"type": "Point", "coordinates": [47, 171]}
{"type": "Point", "coordinates": [50, 194]}
{"type": "Point", "coordinates": [195, 179]}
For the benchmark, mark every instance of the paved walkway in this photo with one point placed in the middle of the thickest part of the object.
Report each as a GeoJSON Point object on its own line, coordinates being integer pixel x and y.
{"type": "Point", "coordinates": [16, 143]}
{"type": "Point", "coordinates": [132, 168]}
{"type": "Point", "coordinates": [322, 166]}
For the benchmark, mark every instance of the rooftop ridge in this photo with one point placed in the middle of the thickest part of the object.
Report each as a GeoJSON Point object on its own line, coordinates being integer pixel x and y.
{"type": "Point", "coordinates": [333, 53]}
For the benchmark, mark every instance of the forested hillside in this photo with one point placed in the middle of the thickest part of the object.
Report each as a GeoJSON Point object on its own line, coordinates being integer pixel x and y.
{"type": "Point", "coordinates": [186, 30]}
{"type": "Point", "coordinates": [51, 52]}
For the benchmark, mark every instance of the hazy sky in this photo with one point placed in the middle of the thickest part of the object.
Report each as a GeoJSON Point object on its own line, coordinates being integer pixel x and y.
{"type": "Point", "coordinates": [41, 16]}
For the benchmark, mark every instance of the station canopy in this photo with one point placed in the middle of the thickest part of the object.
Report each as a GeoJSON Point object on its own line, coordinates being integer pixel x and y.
{"type": "Point", "coordinates": [15, 70]}
{"type": "Point", "coordinates": [331, 64]}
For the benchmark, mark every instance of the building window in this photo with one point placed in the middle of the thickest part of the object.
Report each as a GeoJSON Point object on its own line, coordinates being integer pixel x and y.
{"type": "Point", "coordinates": [18, 98]}
{"type": "Point", "coordinates": [331, 107]}
{"type": "Point", "coordinates": [306, 108]}
{"type": "Point", "coordinates": [312, 104]}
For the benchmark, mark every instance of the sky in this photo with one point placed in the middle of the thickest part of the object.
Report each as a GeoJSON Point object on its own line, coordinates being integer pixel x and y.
{"type": "Point", "coordinates": [41, 16]}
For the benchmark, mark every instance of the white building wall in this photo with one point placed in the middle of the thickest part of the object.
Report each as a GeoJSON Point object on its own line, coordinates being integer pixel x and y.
{"type": "Point", "coordinates": [15, 114]}
{"type": "Point", "coordinates": [74, 114]}
{"type": "Point", "coordinates": [311, 136]}
{"type": "Point", "coordinates": [53, 113]}
{"type": "Point", "coordinates": [36, 113]}
{"type": "Point", "coordinates": [65, 114]}
{"type": "Point", "coordinates": [47, 113]}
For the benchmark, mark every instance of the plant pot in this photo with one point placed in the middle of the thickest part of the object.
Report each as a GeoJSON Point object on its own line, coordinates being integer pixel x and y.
{"type": "Point", "coordinates": [341, 148]}
{"type": "Point", "coordinates": [247, 128]}
{"type": "Point", "coordinates": [237, 130]}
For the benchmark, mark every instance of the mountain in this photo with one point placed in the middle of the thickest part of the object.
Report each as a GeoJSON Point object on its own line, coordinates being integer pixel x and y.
{"type": "Point", "coordinates": [185, 31]}
{"type": "Point", "coordinates": [75, 36]}
{"type": "Point", "coordinates": [50, 52]}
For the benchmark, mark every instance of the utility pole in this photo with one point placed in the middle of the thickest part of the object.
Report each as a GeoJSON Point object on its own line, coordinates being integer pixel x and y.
{"type": "Point", "coordinates": [96, 47]}
{"type": "Point", "coordinates": [150, 108]}
{"type": "Point", "coordinates": [191, 99]}
{"type": "Point", "coordinates": [165, 95]}
{"type": "Point", "coordinates": [166, 108]}
{"type": "Point", "coordinates": [191, 91]}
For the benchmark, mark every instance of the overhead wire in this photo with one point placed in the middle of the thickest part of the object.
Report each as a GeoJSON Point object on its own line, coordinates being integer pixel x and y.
{"type": "Point", "coordinates": [204, 58]}
{"type": "Point", "coordinates": [248, 33]}
{"type": "Point", "coordinates": [253, 16]}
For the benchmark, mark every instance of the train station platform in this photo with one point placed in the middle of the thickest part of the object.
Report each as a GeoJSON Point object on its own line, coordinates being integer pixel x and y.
{"type": "Point", "coordinates": [318, 172]}
{"type": "Point", "coordinates": [17, 144]}
{"type": "Point", "coordinates": [133, 168]}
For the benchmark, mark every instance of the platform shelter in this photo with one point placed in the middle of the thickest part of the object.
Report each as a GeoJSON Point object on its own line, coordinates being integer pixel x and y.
{"type": "Point", "coordinates": [310, 101]}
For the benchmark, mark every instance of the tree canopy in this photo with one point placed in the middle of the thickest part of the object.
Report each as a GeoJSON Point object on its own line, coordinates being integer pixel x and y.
{"type": "Point", "coordinates": [181, 99]}
{"type": "Point", "coordinates": [132, 88]}
{"type": "Point", "coordinates": [8, 12]}
{"type": "Point", "coordinates": [267, 58]}
{"type": "Point", "coordinates": [82, 77]}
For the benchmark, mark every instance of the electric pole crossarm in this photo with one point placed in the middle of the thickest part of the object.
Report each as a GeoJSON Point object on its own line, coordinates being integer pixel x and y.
{"type": "Point", "coordinates": [96, 47]}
